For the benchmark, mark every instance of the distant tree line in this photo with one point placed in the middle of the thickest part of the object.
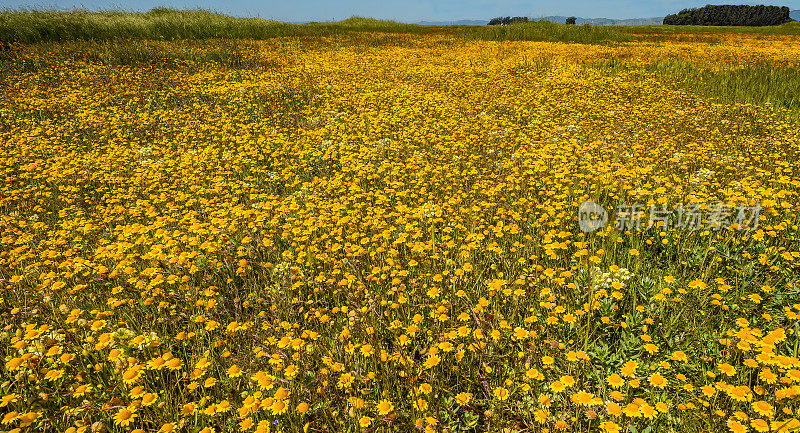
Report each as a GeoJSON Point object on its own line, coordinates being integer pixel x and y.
{"type": "Point", "coordinates": [504, 21]}
{"type": "Point", "coordinates": [730, 15]}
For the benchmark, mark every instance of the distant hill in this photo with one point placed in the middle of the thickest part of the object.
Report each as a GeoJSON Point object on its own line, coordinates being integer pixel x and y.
{"type": "Point", "coordinates": [795, 15]}
{"type": "Point", "coordinates": [453, 23]}
{"type": "Point", "coordinates": [557, 19]}
{"type": "Point", "coordinates": [608, 21]}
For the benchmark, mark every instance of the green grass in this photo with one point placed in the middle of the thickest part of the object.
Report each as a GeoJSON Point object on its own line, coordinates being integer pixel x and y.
{"type": "Point", "coordinates": [759, 83]}
{"type": "Point", "coordinates": [28, 26]}
{"type": "Point", "coordinates": [792, 28]}
{"type": "Point", "coordinates": [709, 34]}
{"type": "Point", "coordinates": [547, 31]}
{"type": "Point", "coordinates": [168, 24]}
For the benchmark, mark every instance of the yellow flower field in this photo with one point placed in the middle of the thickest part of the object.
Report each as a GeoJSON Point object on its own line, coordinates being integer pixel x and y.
{"type": "Point", "coordinates": [380, 232]}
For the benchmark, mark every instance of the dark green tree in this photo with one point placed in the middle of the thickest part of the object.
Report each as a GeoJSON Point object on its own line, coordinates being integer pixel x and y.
{"type": "Point", "coordinates": [730, 15]}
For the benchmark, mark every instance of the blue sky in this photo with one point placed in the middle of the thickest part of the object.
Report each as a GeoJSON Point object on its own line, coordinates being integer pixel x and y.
{"type": "Point", "coordinates": [404, 10]}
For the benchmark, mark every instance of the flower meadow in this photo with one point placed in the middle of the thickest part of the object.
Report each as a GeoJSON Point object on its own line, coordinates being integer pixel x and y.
{"type": "Point", "coordinates": [378, 232]}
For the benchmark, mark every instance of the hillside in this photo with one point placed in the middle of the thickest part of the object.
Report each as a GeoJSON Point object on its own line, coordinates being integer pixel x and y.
{"type": "Point", "coordinates": [31, 26]}
{"type": "Point", "coordinates": [453, 23]}
{"type": "Point", "coordinates": [608, 21]}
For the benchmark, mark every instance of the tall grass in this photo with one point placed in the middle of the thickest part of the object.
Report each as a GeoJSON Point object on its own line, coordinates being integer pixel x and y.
{"type": "Point", "coordinates": [758, 83]}
{"type": "Point", "coordinates": [547, 31]}
{"type": "Point", "coordinates": [791, 28]}
{"type": "Point", "coordinates": [28, 26]}
{"type": "Point", "coordinates": [169, 24]}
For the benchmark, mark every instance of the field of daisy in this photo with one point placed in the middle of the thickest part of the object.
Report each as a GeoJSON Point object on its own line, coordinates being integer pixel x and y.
{"type": "Point", "coordinates": [378, 232]}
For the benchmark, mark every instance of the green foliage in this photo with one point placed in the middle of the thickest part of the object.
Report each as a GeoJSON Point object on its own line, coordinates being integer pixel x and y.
{"type": "Point", "coordinates": [170, 24]}
{"type": "Point", "coordinates": [29, 26]}
{"type": "Point", "coordinates": [730, 15]}
{"type": "Point", "coordinates": [504, 21]}
{"type": "Point", "coordinates": [756, 84]}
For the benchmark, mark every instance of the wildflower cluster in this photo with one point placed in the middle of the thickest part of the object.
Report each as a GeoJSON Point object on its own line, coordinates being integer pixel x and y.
{"type": "Point", "coordinates": [379, 233]}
